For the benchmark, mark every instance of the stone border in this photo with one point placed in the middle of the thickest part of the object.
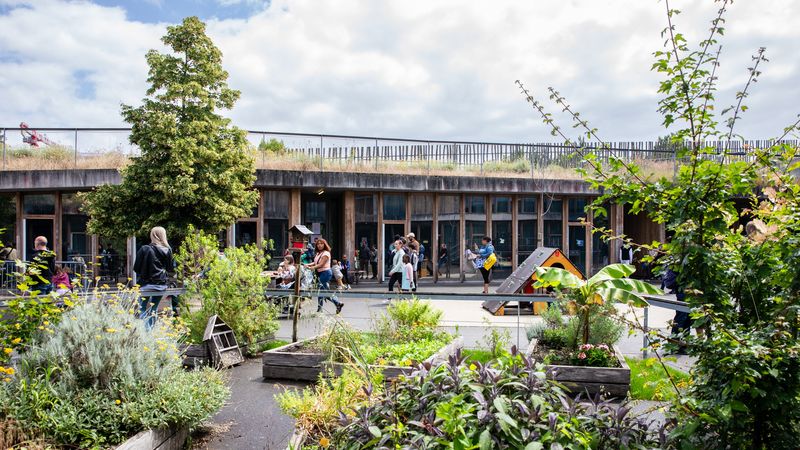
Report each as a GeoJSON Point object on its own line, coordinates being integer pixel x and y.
{"type": "Point", "coordinates": [160, 439]}
{"type": "Point", "coordinates": [282, 363]}
{"type": "Point", "coordinates": [615, 381]}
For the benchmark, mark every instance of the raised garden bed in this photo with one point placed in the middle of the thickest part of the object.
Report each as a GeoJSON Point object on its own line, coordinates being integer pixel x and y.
{"type": "Point", "coordinates": [614, 381]}
{"type": "Point", "coordinates": [300, 361]}
{"type": "Point", "coordinates": [161, 439]}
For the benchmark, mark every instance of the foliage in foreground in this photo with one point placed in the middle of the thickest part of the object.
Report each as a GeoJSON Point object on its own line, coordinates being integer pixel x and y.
{"type": "Point", "coordinates": [508, 404]}
{"type": "Point", "coordinates": [651, 381]}
{"type": "Point", "coordinates": [734, 227]}
{"type": "Point", "coordinates": [97, 377]}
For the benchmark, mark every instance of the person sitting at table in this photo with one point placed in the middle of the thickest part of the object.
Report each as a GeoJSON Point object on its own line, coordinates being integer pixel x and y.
{"type": "Point", "coordinates": [286, 272]}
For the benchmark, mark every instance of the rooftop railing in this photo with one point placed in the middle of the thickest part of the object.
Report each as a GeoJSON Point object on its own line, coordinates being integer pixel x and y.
{"type": "Point", "coordinates": [83, 148]}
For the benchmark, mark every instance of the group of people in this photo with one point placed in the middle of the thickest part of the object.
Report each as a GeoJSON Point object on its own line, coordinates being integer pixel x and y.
{"type": "Point", "coordinates": [368, 258]}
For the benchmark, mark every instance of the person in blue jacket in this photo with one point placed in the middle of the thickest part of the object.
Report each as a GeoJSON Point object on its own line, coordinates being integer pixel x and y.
{"type": "Point", "coordinates": [485, 251]}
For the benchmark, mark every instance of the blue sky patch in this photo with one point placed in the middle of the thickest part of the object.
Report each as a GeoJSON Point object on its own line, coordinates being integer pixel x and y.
{"type": "Point", "coordinates": [84, 88]}
{"type": "Point", "coordinates": [173, 11]}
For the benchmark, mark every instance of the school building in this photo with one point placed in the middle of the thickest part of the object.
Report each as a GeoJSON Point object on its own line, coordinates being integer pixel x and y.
{"type": "Point", "coordinates": [444, 212]}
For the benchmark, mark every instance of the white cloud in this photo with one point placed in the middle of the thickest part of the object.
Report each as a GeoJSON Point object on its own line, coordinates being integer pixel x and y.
{"type": "Point", "coordinates": [441, 69]}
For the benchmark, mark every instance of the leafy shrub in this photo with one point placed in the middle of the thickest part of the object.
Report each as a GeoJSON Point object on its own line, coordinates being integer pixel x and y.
{"type": "Point", "coordinates": [317, 408]}
{"type": "Point", "coordinates": [97, 377]}
{"type": "Point", "coordinates": [232, 287]}
{"type": "Point", "coordinates": [515, 166]}
{"type": "Point", "coordinates": [509, 404]}
{"type": "Point", "coordinates": [408, 319]}
{"type": "Point", "coordinates": [555, 337]}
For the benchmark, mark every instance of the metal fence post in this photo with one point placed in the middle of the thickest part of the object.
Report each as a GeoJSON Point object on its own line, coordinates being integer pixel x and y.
{"type": "Point", "coordinates": [76, 148]}
{"type": "Point", "coordinates": [645, 340]}
{"type": "Point", "coordinates": [377, 155]}
{"type": "Point", "coordinates": [320, 153]}
{"type": "Point", "coordinates": [4, 149]}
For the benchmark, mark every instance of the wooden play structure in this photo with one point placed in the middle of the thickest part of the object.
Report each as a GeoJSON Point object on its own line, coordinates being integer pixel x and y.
{"type": "Point", "coordinates": [521, 281]}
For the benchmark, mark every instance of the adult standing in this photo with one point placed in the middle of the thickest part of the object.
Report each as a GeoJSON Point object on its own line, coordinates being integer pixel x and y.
{"type": "Point", "coordinates": [153, 262]}
{"type": "Point", "coordinates": [413, 246]}
{"type": "Point", "coordinates": [396, 272]}
{"type": "Point", "coordinates": [486, 253]}
{"type": "Point", "coordinates": [363, 256]}
{"type": "Point", "coordinates": [43, 263]}
{"type": "Point", "coordinates": [443, 260]}
{"type": "Point", "coordinates": [373, 261]}
{"type": "Point", "coordinates": [322, 265]}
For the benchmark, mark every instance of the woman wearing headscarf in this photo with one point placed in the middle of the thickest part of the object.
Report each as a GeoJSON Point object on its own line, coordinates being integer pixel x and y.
{"type": "Point", "coordinates": [153, 261]}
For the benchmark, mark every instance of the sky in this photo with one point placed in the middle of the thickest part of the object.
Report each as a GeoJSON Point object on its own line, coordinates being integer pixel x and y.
{"type": "Point", "coordinates": [429, 69]}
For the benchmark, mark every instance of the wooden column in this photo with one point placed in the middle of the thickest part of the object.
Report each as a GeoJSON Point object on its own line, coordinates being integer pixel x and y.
{"type": "Point", "coordinates": [540, 221]}
{"type": "Point", "coordinates": [20, 233]}
{"type": "Point", "coordinates": [514, 234]}
{"type": "Point", "coordinates": [435, 239]}
{"type": "Point", "coordinates": [589, 245]}
{"type": "Point", "coordinates": [260, 223]}
{"type": "Point", "coordinates": [462, 245]}
{"type": "Point", "coordinates": [295, 208]}
{"type": "Point", "coordinates": [57, 238]}
{"type": "Point", "coordinates": [92, 265]}
{"type": "Point", "coordinates": [349, 224]}
{"type": "Point", "coordinates": [131, 257]}
{"type": "Point", "coordinates": [616, 220]}
{"type": "Point", "coordinates": [381, 249]}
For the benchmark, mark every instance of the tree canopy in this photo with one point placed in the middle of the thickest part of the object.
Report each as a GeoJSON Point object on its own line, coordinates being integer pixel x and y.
{"type": "Point", "coordinates": [195, 168]}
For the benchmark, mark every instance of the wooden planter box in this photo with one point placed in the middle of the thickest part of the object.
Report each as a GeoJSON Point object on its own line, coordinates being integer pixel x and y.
{"type": "Point", "coordinates": [196, 355]}
{"type": "Point", "coordinates": [161, 439]}
{"type": "Point", "coordinates": [287, 364]}
{"type": "Point", "coordinates": [614, 381]}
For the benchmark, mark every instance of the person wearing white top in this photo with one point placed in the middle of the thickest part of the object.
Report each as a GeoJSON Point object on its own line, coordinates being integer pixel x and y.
{"type": "Point", "coordinates": [396, 272]}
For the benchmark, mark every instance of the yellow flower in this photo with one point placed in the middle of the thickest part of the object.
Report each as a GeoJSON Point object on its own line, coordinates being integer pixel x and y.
{"type": "Point", "coordinates": [117, 402]}
{"type": "Point", "coordinates": [10, 370]}
{"type": "Point", "coordinates": [324, 442]}
{"type": "Point", "coordinates": [97, 336]}
{"type": "Point", "coordinates": [111, 330]}
{"type": "Point", "coordinates": [8, 350]}
{"type": "Point", "coordinates": [6, 379]}
{"type": "Point", "coordinates": [16, 325]}
{"type": "Point", "coordinates": [16, 341]}
{"type": "Point", "coordinates": [46, 323]}
{"type": "Point", "coordinates": [472, 367]}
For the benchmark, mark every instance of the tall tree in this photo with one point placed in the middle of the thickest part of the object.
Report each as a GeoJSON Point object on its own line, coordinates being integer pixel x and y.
{"type": "Point", "coordinates": [195, 168]}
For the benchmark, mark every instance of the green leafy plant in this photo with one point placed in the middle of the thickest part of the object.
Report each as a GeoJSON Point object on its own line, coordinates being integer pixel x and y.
{"type": "Point", "coordinates": [650, 380]}
{"type": "Point", "coordinates": [608, 285]}
{"type": "Point", "coordinates": [98, 376]}
{"type": "Point", "coordinates": [232, 287]}
{"type": "Point", "coordinates": [507, 404]}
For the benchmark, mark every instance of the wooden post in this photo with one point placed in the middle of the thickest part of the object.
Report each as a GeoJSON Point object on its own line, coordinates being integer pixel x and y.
{"type": "Point", "coordinates": [295, 207]}
{"type": "Point", "coordinates": [260, 223]}
{"type": "Point", "coordinates": [297, 277]}
{"type": "Point", "coordinates": [131, 257]}
{"type": "Point", "coordinates": [381, 249]}
{"type": "Point", "coordinates": [435, 239]}
{"type": "Point", "coordinates": [462, 245]}
{"type": "Point", "coordinates": [349, 225]}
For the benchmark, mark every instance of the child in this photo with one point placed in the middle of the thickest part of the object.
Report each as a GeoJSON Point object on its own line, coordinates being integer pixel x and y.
{"type": "Point", "coordinates": [408, 274]}
{"type": "Point", "coordinates": [60, 281]}
{"type": "Point", "coordinates": [286, 272]}
{"type": "Point", "coordinates": [337, 274]}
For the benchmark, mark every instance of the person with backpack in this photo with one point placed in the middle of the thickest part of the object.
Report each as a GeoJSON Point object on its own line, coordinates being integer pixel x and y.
{"type": "Point", "coordinates": [152, 264]}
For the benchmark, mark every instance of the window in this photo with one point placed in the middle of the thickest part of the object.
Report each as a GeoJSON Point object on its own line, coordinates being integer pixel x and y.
{"type": "Point", "coordinates": [577, 208]}
{"type": "Point", "coordinates": [276, 224]}
{"type": "Point", "coordinates": [75, 242]}
{"type": "Point", "coordinates": [475, 204]}
{"type": "Point", "coordinates": [600, 252]}
{"type": "Point", "coordinates": [39, 204]}
{"type": "Point", "coordinates": [276, 204]}
{"type": "Point", "coordinates": [394, 207]}
{"type": "Point", "coordinates": [553, 226]}
{"type": "Point", "coordinates": [501, 205]}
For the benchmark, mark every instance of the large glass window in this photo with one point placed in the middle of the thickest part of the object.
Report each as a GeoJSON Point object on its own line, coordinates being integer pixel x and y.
{"type": "Point", "coordinates": [366, 238]}
{"type": "Point", "coordinates": [600, 252]}
{"type": "Point", "coordinates": [527, 227]}
{"type": "Point", "coordinates": [76, 244]}
{"type": "Point", "coordinates": [577, 208]}
{"type": "Point", "coordinates": [394, 207]}
{"type": "Point", "coordinates": [8, 223]}
{"type": "Point", "coordinates": [422, 227]}
{"type": "Point", "coordinates": [552, 216]}
{"type": "Point", "coordinates": [112, 258]}
{"type": "Point", "coordinates": [39, 204]}
{"type": "Point", "coordinates": [502, 234]}
{"type": "Point", "coordinates": [577, 246]}
{"type": "Point", "coordinates": [449, 236]}
{"type": "Point", "coordinates": [276, 224]}
{"type": "Point", "coordinates": [245, 233]}
{"type": "Point", "coordinates": [35, 228]}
